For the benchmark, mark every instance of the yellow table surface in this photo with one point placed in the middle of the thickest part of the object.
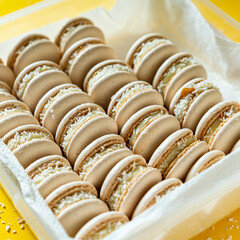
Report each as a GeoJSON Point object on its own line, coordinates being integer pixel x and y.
{"type": "Point", "coordinates": [227, 228]}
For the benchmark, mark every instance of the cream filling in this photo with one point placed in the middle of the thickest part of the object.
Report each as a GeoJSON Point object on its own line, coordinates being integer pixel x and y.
{"type": "Point", "coordinates": [123, 182]}
{"type": "Point", "coordinates": [222, 118]}
{"type": "Point", "coordinates": [172, 155]}
{"type": "Point", "coordinates": [173, 70]}
{"type": "Point", "coordinates": [69, 200]}
{"type": "Point", "coordinates": [46, 172]}
{"type": "Point", "coordinates": [128, 94]}
{"type": "Point", "coordinates": [146, 47]}
{"type": "Point", "coordinates": [142, 125]}
{"type": "Point", "coordinates": [106, 70]}
{"type": "Point", "coordinates": [78, 121]}
{"type": "Point", "coordinates": [67, 34]}
{"type": "Point", "coordinates": [103, 232]}
{"type": "Point", "coordinates": [29, 76]}
{"type": "Point", "coordinates": [5, 112]}
{"type": "Point", "coordinates": [51, 100]}
{"type": "Point", "coordinates": [25, 136]}
{"type": "Point", "coordinates": [90, 161]}
{"type": "Point", "coordinates": [196, 89]}
{"type": "Point", "coordinates": [4, 90]}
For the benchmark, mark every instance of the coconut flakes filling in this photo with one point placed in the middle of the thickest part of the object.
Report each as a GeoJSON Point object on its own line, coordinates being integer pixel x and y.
{"type": "Point", "coordinates": [12, 110]}
{"type": "Point", "coordinates": [71, 199]}
{"type": "Point", "coordinates": [46, 172]}
{"type": "Point", "coordinates": [173, 70]}
{"type": "Point", "coordinates": [224, 116]}
{"type": "Point", "coordinates": [146, 47]}
{"type": "Point", "coordinates": [29, 76]}
{"type": "Point", "coordinates": [172, 155]}
{"type": "Point", "coordinates": [142, 125]}
{"type": "Point", "coordinates": [90, 161]}
{"type": "Point", "coordinates": [62, 92]}
{"type": "Point", "coordinates": [106, 70]}
{"type": "Point", "coordinates": [128, 94]}
{"type": "Point", "coordinates": [194, 90]}
{"type": "Point", "coordinates": [26, 136]}
{"type": "Point", "coordinates": [123, 182]}
{"type": "Point", "coordinates": [103, 232]}
{"type": "Point", "coordinates": [4, 90]}
{"type": "Point", "coordinates": [78, 122]}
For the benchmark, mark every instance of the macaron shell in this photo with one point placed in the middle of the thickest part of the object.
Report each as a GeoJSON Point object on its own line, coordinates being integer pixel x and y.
{"type": "Point", "coordinates": [88, 59]}
{"type": "Point", "coordinates": [103, 90]}
{"type": "Point", "coordinates": [154, 134]}
{"type": "Point", "coordinates": [29, 152]}
{"type": "Point", "coordinates": [61, 107]}
{"type": "Point", "coordinates": [6, 75]}
{"type": "Point", "coordinates": [138, 190]}
{"type": "Point", "coordinates": [91, 130]}
{"type": "Point", "coordinates": [42, 50]}
{"type": "Point", "coordinates": [135, 103]}
{"type": "Point", "coordinates": [41, 84]}
{"type": "Point", "coordinates": [6, 97]}
{"type": "Point", "coordinates": [75, 216]}
{"type": "Point", "coordinates": [236, 146]}
{"type": "Point", "coordinates": [183, 164]}
{"type": "Point", "coordinates": [56, 180]}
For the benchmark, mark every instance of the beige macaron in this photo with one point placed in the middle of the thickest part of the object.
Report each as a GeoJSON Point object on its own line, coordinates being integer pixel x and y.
{"type": "Point", "coordinates": [75, 30]}
{"type": "Point", "coordinates": [220, 126]}
{"type": "Point", "coordinates": [36, 79]}
{"type": "Point", "coordinates": [204, 162]}
{"type": "Point", "coordinates": [155, 194]}
{"type": "Point", "coordinates": [6, 74]}
{"type": "Point", "coordinates": [82, 125]}
{"type": "Point", "coordinates": [31, 142]}
{"type": "Point", "coordinates": [130, 99]}
{"type": "Point", "coordinates": [57, 102]}
{"type": "Point", "coordinates": [148, 53]}
{"type": "Point", "coordinates": [176, 154]}
{"type": "Point", "coordinates": [146, 129]}
{"type": "Point", "coordinates": [127, 183]}
{"type": "Point", "coordinates": [14, 113]}
{"type": "Point", "coordinates": [82, 56]}
{"type": "Point", "coordinates": [102, 225]}
{"type": "Point", "coordinates": [105, 79]}
{"type": "Point", "coordinates": [174, 73]}
{"type": "Point", "coordinates": [99, 157]}
{"type": "Point", "coordinates": [51, 172]}
{"type": "Point", "coordinates": [236, 146]}
{"type": "Point", "coordinates": [74, 204]}
{"type": "Point", "coordinates": [5, 92]}
{"type": "Point", "coordinates": [32, 48]}
{"type": "Point", "coordinates": [193, 100]}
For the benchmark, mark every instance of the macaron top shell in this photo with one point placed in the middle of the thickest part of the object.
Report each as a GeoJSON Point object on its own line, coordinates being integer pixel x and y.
{"type": "Point", "coordinates": [6, 75]}
{"type": "Point", "coordinates": [236, 146]}
{"type": "Point", "coordinates": [102, 225]}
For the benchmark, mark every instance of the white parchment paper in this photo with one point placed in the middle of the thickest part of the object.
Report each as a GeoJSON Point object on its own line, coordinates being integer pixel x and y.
{"type": "Point", "coordinates": [181, 22]}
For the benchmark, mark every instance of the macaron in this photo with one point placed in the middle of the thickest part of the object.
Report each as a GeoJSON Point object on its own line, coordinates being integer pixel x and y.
{"type": "Point", "coordinates": [174, 73]}
{"type": "Point", "coordinates": [220, 126]}
{"type": "Point", "coordinates": [14, 113]}
{"type": "Point", "coordinates": [6, 74]}
{"type": "Point", "coordinates": [130, 99]}
{"type": "Point", "coordinates": [204, 162]}
{"type": "Point", "coordinates": [156, 193]}
{"type": "Point", "coordinates": [51, 172]}
{"type": "Point", "coordinates": [102, 225]}
{"type": "Point", "coordinates": [127, 183]}
{"type": "Point", "coordinates": [5, 92]}
{"type": "Point", "coordinates": [147, 54]}
{"type": "Point", "coordinates": [105, 79]}
{"type": "Point", "coordinates": [236, 146]}
{"type": "Point", "coordinates": [31, 142]}
{"type": "Point", "coordinates": [74, 204]}
{"type": "Point", "coordinates": [177, 153]}
{"type": "Point", "coordinates": [146, 129]}
{"type": "Point", "coordinates": [32, 48]}
{"type": "Point", "coordinates": [36, 79]}
{"type": "Point", "coordinates": [76, 29]}
{"type": "Point", "coordinates": [193, 100]}
{"type": "Point", "coordinates": [82, 56]}
{"type": "Point", "coordinates": [99, 157]}
{"type": "Point", "coordinates": [57, 102]}
{"type": "Point", "coordinates": [88, 120]}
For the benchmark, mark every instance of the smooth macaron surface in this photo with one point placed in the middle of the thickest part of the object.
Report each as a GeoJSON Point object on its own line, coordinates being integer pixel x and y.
{"type": "Point", "coordinates": [32, 48]}
{"type": "Point", "coordinates": [6, 74]}
{"type": "Point", "coordinates": [236, 146]}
